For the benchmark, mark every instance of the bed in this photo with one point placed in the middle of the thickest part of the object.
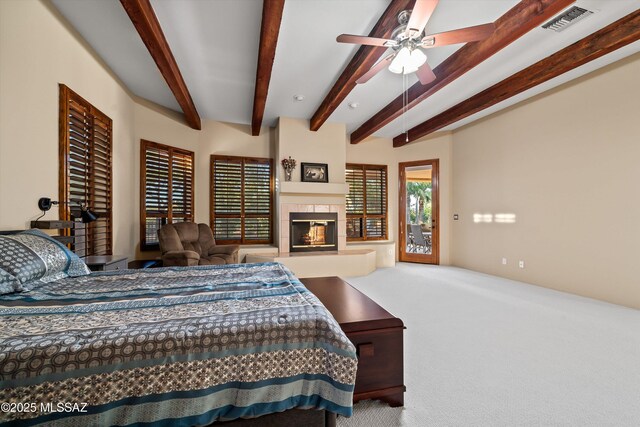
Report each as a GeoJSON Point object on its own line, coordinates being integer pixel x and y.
{"type": "Point", "coordinates": [175, 346]}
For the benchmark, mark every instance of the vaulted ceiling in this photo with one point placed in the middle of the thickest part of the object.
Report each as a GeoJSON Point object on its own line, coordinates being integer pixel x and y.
{"type": "Point", "coordinates": [216, 46]}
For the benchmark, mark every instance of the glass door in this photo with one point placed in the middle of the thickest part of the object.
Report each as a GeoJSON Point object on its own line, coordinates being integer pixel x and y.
{"type": "Point", "coordinates": [418, 211]}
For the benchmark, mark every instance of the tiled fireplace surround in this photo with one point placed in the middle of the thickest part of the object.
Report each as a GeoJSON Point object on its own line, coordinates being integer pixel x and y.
{"type": "Point", "coordinates": [287, 208]}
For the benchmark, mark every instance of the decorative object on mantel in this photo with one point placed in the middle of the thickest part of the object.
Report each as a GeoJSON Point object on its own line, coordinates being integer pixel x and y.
{"type": "Point", "coordinates": [45, 203]}
{"type": "Point", "coordinates": [289, 165]}
{"type": "Point", "coordinates": [315, 172]}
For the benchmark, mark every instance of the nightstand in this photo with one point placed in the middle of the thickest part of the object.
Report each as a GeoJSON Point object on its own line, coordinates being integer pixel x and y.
{"type": "Point", "coordinates": [145, 263]}
{"type": "Point", "coordinates": [106, 262]}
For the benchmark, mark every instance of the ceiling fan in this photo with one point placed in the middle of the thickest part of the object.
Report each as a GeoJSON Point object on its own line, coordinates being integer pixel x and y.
{"type": "Point", "coordinates": [408, 40]}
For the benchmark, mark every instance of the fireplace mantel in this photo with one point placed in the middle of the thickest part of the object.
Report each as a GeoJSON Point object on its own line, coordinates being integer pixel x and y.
{"type": "Point", "coordinates": [295, 187]}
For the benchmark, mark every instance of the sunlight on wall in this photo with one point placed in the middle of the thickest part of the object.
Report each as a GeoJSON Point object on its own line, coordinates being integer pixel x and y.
{"type": "Point", "coordinates": [501, 218]}
{"type": "Point", "coordinates": [479, 217]}
{"type": "Point", "coordinates": [505, 218]}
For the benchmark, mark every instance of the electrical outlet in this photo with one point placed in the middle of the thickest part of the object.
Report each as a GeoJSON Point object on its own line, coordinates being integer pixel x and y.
{"type": "Point", "coordinates": [504, 261]}
{"type": "Point", "coordinates": [521, 264]}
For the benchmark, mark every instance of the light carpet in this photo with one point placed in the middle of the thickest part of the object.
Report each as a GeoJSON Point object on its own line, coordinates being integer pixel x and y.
{"type": "Point", "coordinates": [484, 351]}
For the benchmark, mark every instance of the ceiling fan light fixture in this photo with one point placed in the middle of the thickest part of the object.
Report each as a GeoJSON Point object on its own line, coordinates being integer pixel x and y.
{"type": "Point", "coordinates": [417, 58]}
{"type": "Point", "coordinates": [408, 69]}
{"type": "Point", "coordinates": [401, 61]}
{"type": "Point", "coordinates": [407, 61]}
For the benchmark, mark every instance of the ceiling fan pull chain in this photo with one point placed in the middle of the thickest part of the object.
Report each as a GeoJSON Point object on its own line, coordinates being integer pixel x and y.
{"type": "Point", "coordinates": [405, 101]}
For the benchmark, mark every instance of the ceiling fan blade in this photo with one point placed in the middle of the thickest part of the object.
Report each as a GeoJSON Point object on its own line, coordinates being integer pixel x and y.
{"type": "Point", "coordinates": [420, 15]}
{"type": "Point", "coordinates": [425, 74]}
{"type": "Point", "coordinates": [375, 69]}
{"type": "Point", "coordinates": [462, 35]}
{"type": "Point", "coordinates": [371, 41]}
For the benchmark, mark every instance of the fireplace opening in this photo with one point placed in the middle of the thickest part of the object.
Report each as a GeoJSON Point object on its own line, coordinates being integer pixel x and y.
{"type": "Point", "coordinates": [313, 232]}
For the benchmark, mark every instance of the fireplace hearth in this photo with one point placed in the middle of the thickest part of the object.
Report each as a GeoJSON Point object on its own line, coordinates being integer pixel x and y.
{"type": "Point", "coordinates": [313, 231]}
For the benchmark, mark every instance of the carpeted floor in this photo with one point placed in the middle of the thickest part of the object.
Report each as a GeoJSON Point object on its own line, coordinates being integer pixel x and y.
{"type": "Point", "coordinates": [486, 351]}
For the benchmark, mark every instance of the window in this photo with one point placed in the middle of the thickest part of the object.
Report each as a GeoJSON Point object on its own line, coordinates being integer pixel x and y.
{"type": "Point", "coordinates": [167, 179]}
{"type": "Point", "coordinates": [366, 202]}
{"type": "Point", "coordinates": [241, 199]}
{"type": "Point", "coordinates": [85, 172]}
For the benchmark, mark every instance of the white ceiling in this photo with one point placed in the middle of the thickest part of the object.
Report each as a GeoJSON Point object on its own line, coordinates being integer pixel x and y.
{"type": "Point", "coordinates": [107, 28]}
{"type": "Point", "coordinates": [215, 44]}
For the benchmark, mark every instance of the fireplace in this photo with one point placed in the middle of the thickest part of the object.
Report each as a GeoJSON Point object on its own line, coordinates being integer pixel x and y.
{"type": "Point", "coordinates": [313, 231]}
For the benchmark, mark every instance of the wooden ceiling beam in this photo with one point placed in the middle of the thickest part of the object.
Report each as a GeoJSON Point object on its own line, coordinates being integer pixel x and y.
{"type": "Point", "coordinates": [523, 17]}
{"type": "Point", "coordinates": [146, 23]}
{"type": "Point", "coordinates": [612, 37]}
{"type": "Point", "coordinates": [271, 18]}
{"type": "Point", "coordinates": [362, 61]}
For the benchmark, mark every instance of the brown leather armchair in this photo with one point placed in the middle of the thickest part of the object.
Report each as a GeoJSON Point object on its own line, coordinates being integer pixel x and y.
{"type": "Point", "coordinates": [188, 243]}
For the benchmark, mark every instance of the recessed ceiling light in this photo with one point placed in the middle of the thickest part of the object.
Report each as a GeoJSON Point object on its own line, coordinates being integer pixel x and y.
{"type": "Point", "coordinates": [298, 98]}
{"type": "Point", "coordinates": [354, 105]}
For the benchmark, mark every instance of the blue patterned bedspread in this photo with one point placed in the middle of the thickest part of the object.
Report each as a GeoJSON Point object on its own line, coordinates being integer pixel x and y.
{"type": "Point", "coordinates": [170, 346]}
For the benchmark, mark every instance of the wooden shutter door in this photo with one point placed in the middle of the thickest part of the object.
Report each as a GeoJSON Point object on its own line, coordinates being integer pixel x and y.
{"type": "Point", "coordinates": [226, 199]}
{"type": "Point", "coordinates": [77, 176]}
{"type": "Point", "coordinates": [257, 201]}
{"type": "Point", "coordinates": [156, 191]}
{"type": "Point", "coordinates": [100, 197]}
{"type": "Point", "coordinates": [355, 202]}
{"type": "Point", "coordinates": [85, 171]}
{"type": "Point", "coordinates": [376, 199]}
{"type": "Point", "coordinates": [182, 176]}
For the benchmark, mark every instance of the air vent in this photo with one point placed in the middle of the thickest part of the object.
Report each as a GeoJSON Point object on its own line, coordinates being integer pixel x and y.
{"type": "Point", "coordinates": [570, 17]}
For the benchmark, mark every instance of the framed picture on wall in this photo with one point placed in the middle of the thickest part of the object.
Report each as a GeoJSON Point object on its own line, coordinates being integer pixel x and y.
{"type": "Point", "coordinates": [314, 172]}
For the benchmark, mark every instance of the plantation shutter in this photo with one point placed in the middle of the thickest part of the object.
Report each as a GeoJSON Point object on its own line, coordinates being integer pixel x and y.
{"type": "Point", "coordinates": [226, 176]}
{"type": "Point", "coordinates": [257, 201]}
{"type": "Point", "coordinates": [181, 186]}
{"type": "Point", "coordinates": [366, 203]}
{"type": "Point", "coordinates": [241, 200]}
{"type": "Point", "coordinates": [167, 180]}
{"type": "Point", "coordinates": [355, 201]}
{"type": "Point", "coordinates": [85, 173]}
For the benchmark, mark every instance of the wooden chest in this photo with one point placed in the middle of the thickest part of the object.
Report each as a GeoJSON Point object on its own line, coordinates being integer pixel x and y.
{"type": "Point", "coordinates": [375, 332]}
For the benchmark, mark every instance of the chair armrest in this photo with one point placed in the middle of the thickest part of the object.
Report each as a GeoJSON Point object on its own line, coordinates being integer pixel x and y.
{"type": "Point", "coordinates": [180, 258]}
{"type": "Point", "coordinates": [224, 249]}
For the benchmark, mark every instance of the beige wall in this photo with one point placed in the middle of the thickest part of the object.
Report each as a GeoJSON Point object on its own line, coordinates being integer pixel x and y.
{"type": "Point", "coordinates": [327, 145]}
{"type": "Point", "coordinates": [158, 125]}
{"type": "Point", "coordinates": [566, 163]}
{"type": "Point", "coordinates": [380, 151]}
{"type": "Point", "coordinates": [37, 52]}
{"type": "Point", "coordinates": [324, 146]}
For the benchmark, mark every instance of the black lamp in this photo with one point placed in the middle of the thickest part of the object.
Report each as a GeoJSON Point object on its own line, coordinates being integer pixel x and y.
{"type": "Point", "coordinates": [45, 203]}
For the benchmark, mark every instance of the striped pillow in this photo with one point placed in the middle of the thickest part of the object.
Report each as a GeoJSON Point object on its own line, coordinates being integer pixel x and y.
{"type": "Point", "coordinates": [8, 283]}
